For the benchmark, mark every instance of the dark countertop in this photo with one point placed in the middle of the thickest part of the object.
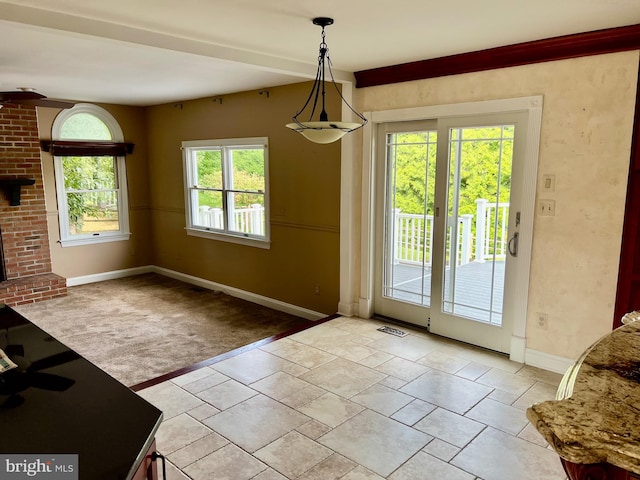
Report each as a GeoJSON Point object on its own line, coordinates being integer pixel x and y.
{"type": "Point", "coordinates": [57, 402]}
{"type": "Point", "coordinates": [595, 419]}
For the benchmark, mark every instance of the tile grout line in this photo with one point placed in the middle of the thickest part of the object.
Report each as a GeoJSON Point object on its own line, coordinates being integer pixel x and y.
{"type": "Point", "coordinates": [364, 406]}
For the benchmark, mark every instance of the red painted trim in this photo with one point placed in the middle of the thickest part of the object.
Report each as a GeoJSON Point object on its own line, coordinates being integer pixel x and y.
{"type": "Point", "coordinates": [557, 48]}
{"type": "Point", "coordinates": [232, 353]}
{"type": "Point", "coordinates": [628, 276]}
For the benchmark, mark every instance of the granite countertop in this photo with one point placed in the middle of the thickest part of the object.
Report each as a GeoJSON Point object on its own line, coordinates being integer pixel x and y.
{"type": "Point", "coordinates": [595, 418]}
{"type": "Point", "coordinates": [57, 402]}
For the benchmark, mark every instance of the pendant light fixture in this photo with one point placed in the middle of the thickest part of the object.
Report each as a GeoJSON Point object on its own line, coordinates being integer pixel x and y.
{"type": "Point", "coordinates": [323, 130]}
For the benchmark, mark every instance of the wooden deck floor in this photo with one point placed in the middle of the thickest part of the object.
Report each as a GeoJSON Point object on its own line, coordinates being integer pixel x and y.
{"type": "Point", "coordinates": [472, 296]}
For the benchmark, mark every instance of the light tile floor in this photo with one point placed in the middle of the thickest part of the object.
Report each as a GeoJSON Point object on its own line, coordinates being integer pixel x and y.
{"type": "Point", "coordinates": [344, 401]}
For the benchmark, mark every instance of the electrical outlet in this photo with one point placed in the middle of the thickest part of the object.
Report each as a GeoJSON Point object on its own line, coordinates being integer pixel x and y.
{"type": "Point", "coordinates": [543, 321]}
{"type": "Point", "coordinates": [316, 289]}
{"type": "Point", "coordinates": [547, 208]}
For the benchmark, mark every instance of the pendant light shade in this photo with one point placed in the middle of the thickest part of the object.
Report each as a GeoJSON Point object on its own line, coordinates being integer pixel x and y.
{"type": "Point", "coordinates": [321, 129]}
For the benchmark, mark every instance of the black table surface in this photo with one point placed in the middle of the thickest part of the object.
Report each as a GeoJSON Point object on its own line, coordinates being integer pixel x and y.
{"type": "Point", "coordinates": [57, 402]}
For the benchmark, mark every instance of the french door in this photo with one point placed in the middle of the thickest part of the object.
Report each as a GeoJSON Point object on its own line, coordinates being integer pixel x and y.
{"type": "Point", "coordinates": [448, 203]}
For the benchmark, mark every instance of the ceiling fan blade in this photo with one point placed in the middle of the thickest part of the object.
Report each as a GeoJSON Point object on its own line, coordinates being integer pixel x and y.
{"type": "Point", "coordinates": [54, 360]}
{"type": "Point", "coordinates": [49, 381]}
{"type": "Point", "coordinates": [17, 96]}
{"type": "Point", "coordinates": [13, 401]}
{"type": "Point", "coordinates": [14, 350]}
{"type": "Point", "coordinates": [31, 98]}
{"type": "Point", "coordinates": [44, 102]}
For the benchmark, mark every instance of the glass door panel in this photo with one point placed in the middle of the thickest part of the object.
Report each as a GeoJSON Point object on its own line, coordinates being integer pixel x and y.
{"type": "Point", "coordinates": [480, 160]}
{"type": "Point", "coordinates": [409, 221]}
{"type": "Point", "coordinates": [405, 196]}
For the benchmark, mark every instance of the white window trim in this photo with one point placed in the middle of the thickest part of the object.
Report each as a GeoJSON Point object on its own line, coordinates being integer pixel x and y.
{"type": "Point", "coordinates": [225, 236]}
{"type": "Point", "coordinates": [117, 135]}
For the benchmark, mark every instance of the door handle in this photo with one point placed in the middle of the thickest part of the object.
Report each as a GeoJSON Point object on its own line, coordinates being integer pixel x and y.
{"type": "Point", "coordinates": [512, 246]}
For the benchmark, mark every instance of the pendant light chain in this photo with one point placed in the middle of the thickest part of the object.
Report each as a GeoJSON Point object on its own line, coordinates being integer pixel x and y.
{"type": "Point", "coordinates": [324, 53]}
{"type": "Point", "coordinates": [324, 130]}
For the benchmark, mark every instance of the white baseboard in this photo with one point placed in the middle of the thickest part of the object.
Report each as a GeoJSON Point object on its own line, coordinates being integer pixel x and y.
{"type": "Point", "coordinates": [101, 277]}
{"type": "Point", "coordinates": [243, 294]}
{"type": "Point", "coordinates": [547, 361]}
{"type": "Point", "coordinates": [532, 357]}
{"type": "Point", "coordinates": [234, 292]}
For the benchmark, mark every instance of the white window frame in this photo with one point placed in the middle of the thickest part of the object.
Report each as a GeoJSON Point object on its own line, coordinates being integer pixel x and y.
{"type": "Point", "coordinates": [190, 184]}
{"type": "Point", "coordinates": [66, 238]}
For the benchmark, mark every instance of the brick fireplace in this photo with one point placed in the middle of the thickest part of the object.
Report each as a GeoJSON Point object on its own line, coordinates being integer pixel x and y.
{"type": "Point", "coordinates": [23, 227]}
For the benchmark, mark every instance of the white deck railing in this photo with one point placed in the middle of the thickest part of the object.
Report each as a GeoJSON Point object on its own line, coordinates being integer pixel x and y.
{"type": "Point", "coordinates": [412, 238]}
{"type": "Point", "coordinates": [246, 220]}
{"type": "Point", "coordinates": [492, 222]}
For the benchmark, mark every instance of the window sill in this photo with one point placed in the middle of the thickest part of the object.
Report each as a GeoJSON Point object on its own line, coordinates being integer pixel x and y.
{"type": "Point", "coordinates": [89, 240]}
{"type": "Point", "coordinates": [224, 237]}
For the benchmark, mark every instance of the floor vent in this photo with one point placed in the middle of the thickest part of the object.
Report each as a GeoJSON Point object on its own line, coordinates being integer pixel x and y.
{"type": "Point", "coordinates": [393, 331]}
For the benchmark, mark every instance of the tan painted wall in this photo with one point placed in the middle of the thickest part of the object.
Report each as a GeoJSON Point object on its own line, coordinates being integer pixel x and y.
{"type": "Point", "coordinates": [105, 257]}
{"type": "Point", "coordinates": [304, 189]}
{"type": "Point", "coordinates": [585, 142]}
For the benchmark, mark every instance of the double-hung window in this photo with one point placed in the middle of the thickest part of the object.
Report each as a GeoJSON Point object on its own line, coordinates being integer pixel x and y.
{"type": "Point", "coordinates": [226, 188]}
{"type": "Point", "coordinates": [91, 182]}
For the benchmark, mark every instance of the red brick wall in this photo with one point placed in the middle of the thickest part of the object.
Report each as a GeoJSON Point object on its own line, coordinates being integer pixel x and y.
{"type": "Point", "coordinates": [24, 228]}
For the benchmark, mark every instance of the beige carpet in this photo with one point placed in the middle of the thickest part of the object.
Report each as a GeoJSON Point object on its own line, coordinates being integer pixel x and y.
{"type": "Point", "coordinates": [141, 327]}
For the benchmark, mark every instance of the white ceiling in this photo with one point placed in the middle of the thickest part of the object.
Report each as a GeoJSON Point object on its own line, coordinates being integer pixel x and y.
{"type": "Point", "coordinates": [146, 52]}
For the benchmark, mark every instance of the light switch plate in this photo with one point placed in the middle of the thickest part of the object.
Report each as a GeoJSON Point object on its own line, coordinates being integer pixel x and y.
{"type": "Point", "coordinates": [548, 183]}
